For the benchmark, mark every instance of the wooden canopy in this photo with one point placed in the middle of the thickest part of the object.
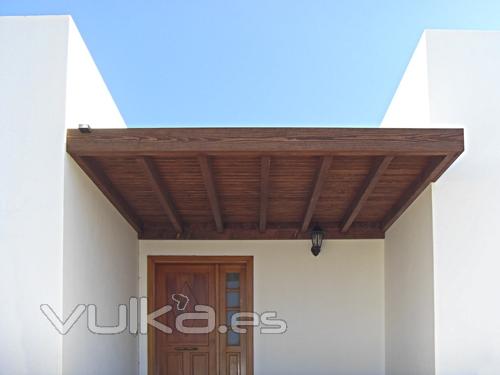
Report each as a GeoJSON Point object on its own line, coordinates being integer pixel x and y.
{"type": "Point", "coordinates": [263, 183]}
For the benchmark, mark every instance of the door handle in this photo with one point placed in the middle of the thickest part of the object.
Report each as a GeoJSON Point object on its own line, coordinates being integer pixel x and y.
{"type": "Point", "coordinates": [185, 349]}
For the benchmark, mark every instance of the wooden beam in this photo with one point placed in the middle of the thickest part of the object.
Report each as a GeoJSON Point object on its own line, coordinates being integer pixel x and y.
{"type": "Point", "coordinates": [208, 179]}
{"type": "Point", "coordinates": [92, 168]}
{"type": "Point", "coordinates": [161, 192]}
{"type": "Point", "coordinates": [428, 175]}
{"type": "Point", "coordinates": [265, 166]}
{"type": "Point", "coordinates": [380, 166]}
{"type": "Point", "coordinates": [321, 177]}
{"type": "Point", "coordinates": [250, 231]}
{"type": "Point", "coordinates": [268, 141]}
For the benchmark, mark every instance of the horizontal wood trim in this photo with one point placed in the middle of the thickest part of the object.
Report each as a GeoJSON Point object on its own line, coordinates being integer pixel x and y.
{"type": "Point", "coordinates": [200, 259]}
{"type": "Point", "coordinates": [251, 232]}
{"type": "Point", "coordinates": [308, 141]}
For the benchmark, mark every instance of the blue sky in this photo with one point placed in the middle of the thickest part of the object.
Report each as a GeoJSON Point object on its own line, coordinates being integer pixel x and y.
{"type": "Point", "coordinates": [258, 62]}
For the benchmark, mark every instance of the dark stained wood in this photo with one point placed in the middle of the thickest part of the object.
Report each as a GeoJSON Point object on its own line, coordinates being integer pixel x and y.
{"type": "Point", "coordinates": [93, 170]}
{"type": "Point", "coordinates": [306, 141]}
{"type": "Point", "coordinates": [212, 194]}
{"type": "Point", "coordinates": [161, 192]}
{"type": "Point", "coordinates": [168, 275]}
{"type": "Point", "coordinates": [176, 352]}
{"type": "Point", "coordinates": [265, 167]}
{"type": "Point", "coordinates": [378, 169]}
{"type": "Point", "coordinates": [326, 162]}
{"type": "Point", "coordinates": [428, 175]}
{"type": "Point", "coordinates": [286, 231]}
{"type": "Point", "coordinates": [232, 192]}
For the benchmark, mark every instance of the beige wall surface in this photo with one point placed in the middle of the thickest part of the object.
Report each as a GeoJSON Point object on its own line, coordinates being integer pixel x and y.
{"type": "Point", "coordinates": [333, 304]}
{"type": "Point", "coordinates": [409, 291]}
{"type": "Point", "coordinates": [460, 71]}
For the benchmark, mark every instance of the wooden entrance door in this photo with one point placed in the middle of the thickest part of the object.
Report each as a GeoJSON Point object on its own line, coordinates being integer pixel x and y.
{"type": "Point", "coordinates": [222, 283]}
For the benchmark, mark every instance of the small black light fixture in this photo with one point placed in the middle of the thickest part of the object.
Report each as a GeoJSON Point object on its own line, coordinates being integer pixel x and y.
{"type": "Point", "coordinates": [317, 235]}
{"type": "Point", "coordinates": [84, 128]}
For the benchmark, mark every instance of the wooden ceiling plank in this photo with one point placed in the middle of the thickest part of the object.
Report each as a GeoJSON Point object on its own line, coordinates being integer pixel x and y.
{"type": "Point", "coordinates": [376, 172]}
{"type": "Point", "coordinates": [434, 168]}
{"type": "Point", "coordinates": [161, 192]}
{"type": "Point", "coordinates": [92, 168]}
{"type": "Point", "coordinates": [321, 177]}
{"type": "Point", "coordinates": [208, 179]}
{"type": "Point", "coordinates": [265, 167]}
{"type": "Point", "coordinates": [269, 141]}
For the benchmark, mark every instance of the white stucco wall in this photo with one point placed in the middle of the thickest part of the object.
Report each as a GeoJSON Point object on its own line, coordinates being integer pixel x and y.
{"type": "Point", "coordinates": [334, 304]}
{"type": "Point", "coordinates": [32, 131]}
{"type": "Point", "coordinates": [100, 248]}
{"type": "Point", "coordinates": [100, 267]}
{"type": "Point", "coordinates": [55, 226]}
{"type": "Point", "coordinates": [409, 291]}
{"type": "Point", "coordinates": [464, 91]}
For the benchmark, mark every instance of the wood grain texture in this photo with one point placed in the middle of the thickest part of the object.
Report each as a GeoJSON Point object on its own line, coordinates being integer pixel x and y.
{"type": "Point", "coordinates": [321, 177]}
{"type": "Point", "coordinates": [161, 193]}
{"type": "Point", "coordinates": [208, 178]}
{"type": "Point", "coordinates": [312, 141]}
{"type": "Point", "coordinates": [265, 167]}
{"type": "Point", "coordinates": [263, 183]}
{"type": "Point", "coordinates": [166, 274]}
{"type": "Point", "coordinates": [433, 169]}
{"type": "Point", "coordinates": [250, 231]}
{"type": "Point", "coordinates": [378, 169]}
{"type": "Point", "coordinates": [94, 171]}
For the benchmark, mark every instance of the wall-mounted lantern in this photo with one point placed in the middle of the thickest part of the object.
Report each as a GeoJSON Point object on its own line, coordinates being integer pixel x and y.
{"type": "Point", "coordinates": [317, 235]}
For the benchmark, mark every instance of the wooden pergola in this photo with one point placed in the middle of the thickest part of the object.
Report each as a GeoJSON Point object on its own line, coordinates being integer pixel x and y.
{"type": "Point", "coordinates": [263, 183]}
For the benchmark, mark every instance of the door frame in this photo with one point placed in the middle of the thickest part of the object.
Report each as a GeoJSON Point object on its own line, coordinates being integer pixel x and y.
{"type": "Point", "coordinates": [153, 260]}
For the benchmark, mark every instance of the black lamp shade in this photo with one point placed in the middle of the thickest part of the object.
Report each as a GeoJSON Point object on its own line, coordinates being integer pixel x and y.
{"type": "Point", "coordinates": [317, 235]}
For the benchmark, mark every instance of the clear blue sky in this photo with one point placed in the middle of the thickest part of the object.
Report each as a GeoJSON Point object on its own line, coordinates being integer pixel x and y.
{"type": "Point", "coordinates": [256, 62]}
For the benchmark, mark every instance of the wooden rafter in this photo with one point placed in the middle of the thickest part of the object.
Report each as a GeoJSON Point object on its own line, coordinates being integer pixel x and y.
{"type": "Point", "coordinates": [321, 177]}
{"type": "Point", "coordinates": [265, 167]}
{"type": "Point", "coordinates": [161, 192]}
{"type": "Point", "coordinates": [267, 141]}
{"type": "Point", "coordinates": [92, 168]}
{"type": "Point", "coordinates": [208, 179]}
{"type": "Point", "coordinates": [380, 166]}
{"type": "Point", "coordinates": [434, 168]}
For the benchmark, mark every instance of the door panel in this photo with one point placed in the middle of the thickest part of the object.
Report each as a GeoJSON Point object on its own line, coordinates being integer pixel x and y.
{"type": "Point", "coordinates": [171, 363]}
{"type": "Point", "coordinates": [199, 363]}
{"type": "Point", "coordinates": [225, 284]}
{"type": "Point", "coordinates": [233, 364]}
{"type": "Point", "coordinates": [183, 287]}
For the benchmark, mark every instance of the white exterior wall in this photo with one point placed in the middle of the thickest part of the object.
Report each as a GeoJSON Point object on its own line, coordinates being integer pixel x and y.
{"type": "Point", "coordinates": [55, 226]}
{"type": "Point", "coordinates": [100, 248]}
{"type": "Point", "coordinates": [463, 81]}
{"type": "Point", "coordinates": [32, 131]}
{"type": "Point", "coordinates": [409, 291]}
{"type": "Point", "coordinates": [334, 304]}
